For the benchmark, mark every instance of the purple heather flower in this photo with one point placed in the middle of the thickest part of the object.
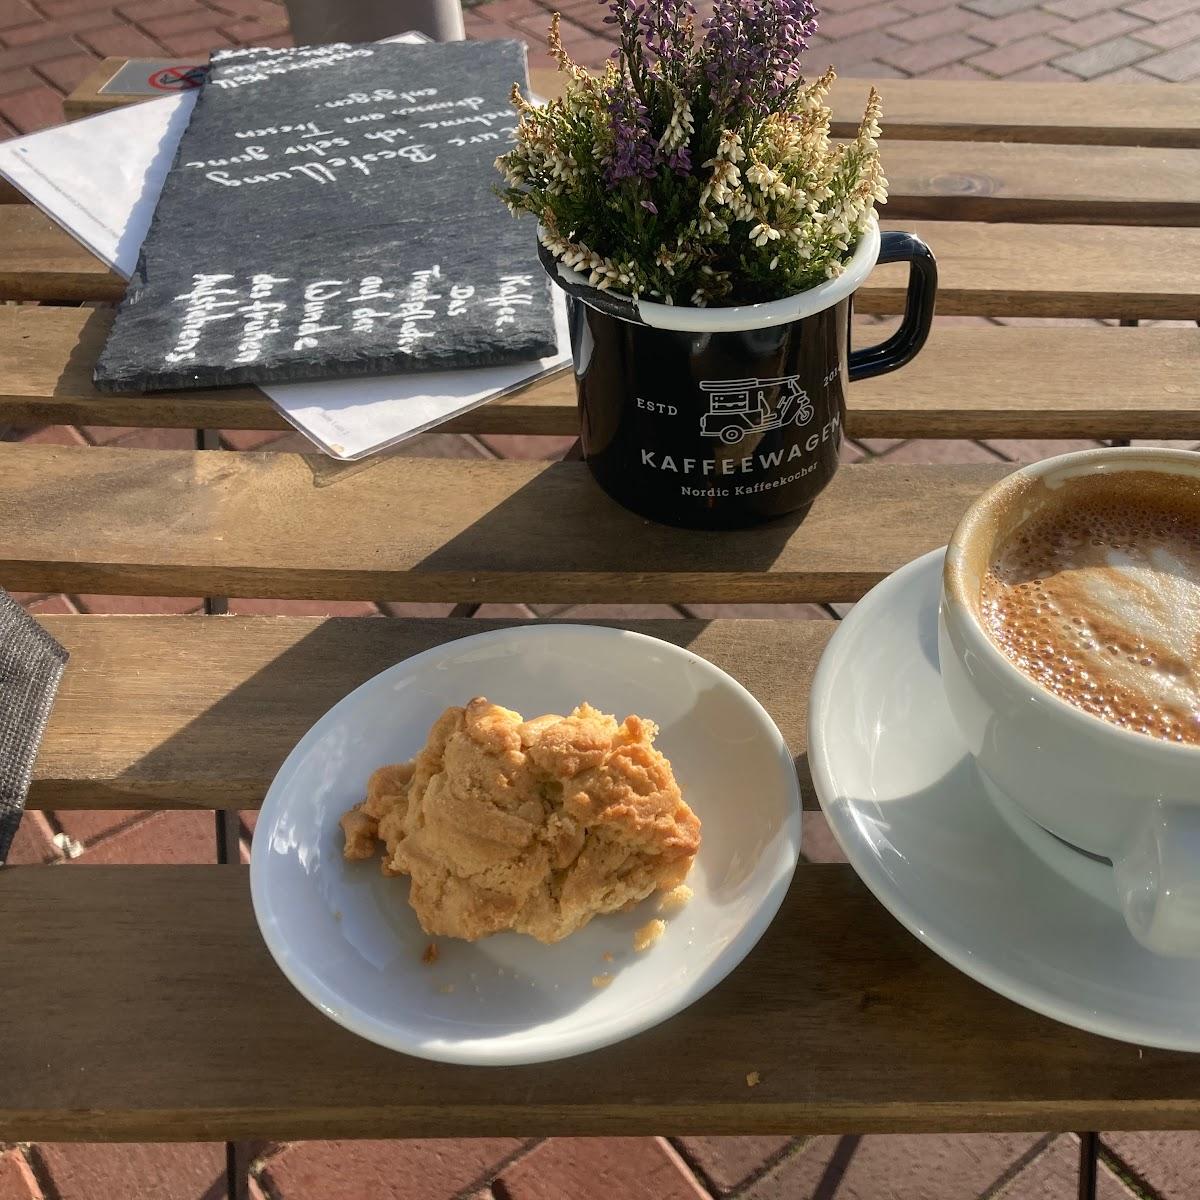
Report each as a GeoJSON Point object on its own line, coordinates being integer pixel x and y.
{"type": "Point", "coordinates": [632, 155]}
{"type": "Point", "coordinates": [752, 51]}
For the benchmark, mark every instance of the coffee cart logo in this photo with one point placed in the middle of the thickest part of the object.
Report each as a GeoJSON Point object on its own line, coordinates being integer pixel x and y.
{"type": "Point", "coordinates": [737, 407]}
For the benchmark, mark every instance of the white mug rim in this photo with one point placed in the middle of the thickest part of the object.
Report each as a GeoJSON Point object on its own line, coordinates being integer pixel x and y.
{"type": "Point", "coordinates": [955, 593]}
{"type": "Point", "coordinates": [734, 318]}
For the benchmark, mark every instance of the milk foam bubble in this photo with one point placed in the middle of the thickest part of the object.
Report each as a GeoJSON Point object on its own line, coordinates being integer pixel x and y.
{"type": "Point", "coordinates": [1097, 598]}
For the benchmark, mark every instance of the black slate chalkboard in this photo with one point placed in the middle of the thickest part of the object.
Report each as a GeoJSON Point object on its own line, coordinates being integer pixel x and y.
{"type": "Point", "coordinates": [330, 213]}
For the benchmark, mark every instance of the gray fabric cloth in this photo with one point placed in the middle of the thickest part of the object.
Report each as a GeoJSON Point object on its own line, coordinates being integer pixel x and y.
{"type": "Point", "coordinates": [31, 664]}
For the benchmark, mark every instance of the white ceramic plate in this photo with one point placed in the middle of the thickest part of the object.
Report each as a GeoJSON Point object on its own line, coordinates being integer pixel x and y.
{"type": "Point", "coordinates": [346, 937]}
{"type": "Point", "coordinates": [988, 890]}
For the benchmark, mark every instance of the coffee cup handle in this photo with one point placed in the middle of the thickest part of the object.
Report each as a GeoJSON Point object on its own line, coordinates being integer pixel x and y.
{"type": "Point", "coordinates": [904, 344]}
{"type": "Point", "coordinates": [1158, 880]}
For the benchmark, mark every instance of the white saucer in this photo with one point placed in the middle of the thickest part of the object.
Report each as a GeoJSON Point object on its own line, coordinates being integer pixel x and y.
{"type": "Point", "coordinates": [989, 891]}
{"type": "Point", "coordinates": [348, 940]}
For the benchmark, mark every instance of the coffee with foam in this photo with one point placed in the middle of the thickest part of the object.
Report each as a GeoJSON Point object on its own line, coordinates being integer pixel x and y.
{"type": "Point", "coordinates": [1096, 597]}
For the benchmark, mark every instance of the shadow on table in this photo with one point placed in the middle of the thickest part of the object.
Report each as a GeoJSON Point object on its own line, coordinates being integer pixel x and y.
{"type": "Point", "coordinates": [561, 524]}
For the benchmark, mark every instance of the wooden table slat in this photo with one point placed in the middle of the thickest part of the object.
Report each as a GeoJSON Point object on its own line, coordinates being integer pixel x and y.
{"type": "Point", "coordinates": [159, 522]}
{"type": "Point", "coordinates": [986, 269]}
{"type": "Point", "coordinates": [170, 1021]}
{"type": "Point", "coordinates": [967, 383]}
{"type": "Point", "coordinates": [153, 712]}
{"type": "Point", "coordinates": [988, 181]}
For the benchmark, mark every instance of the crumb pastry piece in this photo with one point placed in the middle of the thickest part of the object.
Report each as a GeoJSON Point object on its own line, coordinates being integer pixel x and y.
{"type": "Point", "coordinates": [535, 826]}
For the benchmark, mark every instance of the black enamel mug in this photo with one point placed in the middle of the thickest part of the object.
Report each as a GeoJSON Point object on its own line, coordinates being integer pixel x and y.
{"type": "Point", "coordinates": [719, 418]}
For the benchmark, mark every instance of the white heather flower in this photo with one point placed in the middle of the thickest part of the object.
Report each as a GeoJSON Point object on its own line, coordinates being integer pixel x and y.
{"type": "Point", "coordinates": [681, 124]}
{"type": "Point", "coordinates": [762, 233]}
{"type": "Point", "coordinates": [729, 146]}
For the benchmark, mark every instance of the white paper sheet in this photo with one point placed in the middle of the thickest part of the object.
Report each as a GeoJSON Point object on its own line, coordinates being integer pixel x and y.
{"type": "Point", "coordinates": [100, 178]}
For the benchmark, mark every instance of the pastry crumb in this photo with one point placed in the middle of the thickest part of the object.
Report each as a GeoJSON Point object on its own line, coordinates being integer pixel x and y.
{"type": "Point", "coordinates": [649, 933]}
{"type": "Point", "coordinates": [675, 899]}
{"type": "Point", "coordinates": [753, 1079]}
{"type": "Point", "coordinates": [446, 989]}
{"type": "Point", "coordinates": [601, 981]}
{"type": "Point", "coordinates": [431, 954]}
{"type": "Point", "coordinates": [608, 956]}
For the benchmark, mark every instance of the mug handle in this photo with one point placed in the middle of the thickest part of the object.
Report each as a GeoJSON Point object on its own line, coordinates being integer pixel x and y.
{"type": "Point", "coordinates": [918, 307]}
{"type": "Point", "coordinates": [1158, 880]}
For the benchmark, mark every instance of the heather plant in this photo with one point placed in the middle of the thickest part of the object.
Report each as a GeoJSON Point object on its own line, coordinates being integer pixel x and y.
{"type": "Point", "coordinates": [697, 168]}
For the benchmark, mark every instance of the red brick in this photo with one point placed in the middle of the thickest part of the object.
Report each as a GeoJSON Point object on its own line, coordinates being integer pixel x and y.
{"type": "Point", "coordinates": [101, 1171]}
{"type": "Point", "coordinates": [1169, 1163]}
{"type": "Point", "coordinates": [860, 20]}
{"type": "Point", "coordinates": [252, 32]}
{"type": "Point", "coordinates": [876, 44]}
{"type": "Point", "coordinates": [817, 843]}
{"type": "Point", "coordinates": [1177, 66]}
{"type": "Point", "coordinates": [16, 12]}
{"type": "Point", "coordinates": [430, 1169]}
{"type": "Point", "coordinates": [935, 24]}
{"type": "Point", "coordinates": [19, 80]}
{"type": "Point", "coordinates": [122, 40]}
{"type": "Point", "coordinates": [1054, 1175]}
{"type": "Point", "coordinates": [45, 31]}
{"type": "Point", "coordinates": [1102, 27]}
{"type": "Point", "coordinates": [1077, 9]}
{"type": "Point", "coordinates": [179, 22]}
{"type": "Point", "coordinates": [16, 1179]}
{"type": "Point", "coordinates": [1106, 56]}
{"type": "Point", "coordinates": [139, 10]}
{"type": "Point", "coordinates": [279, 41]}
{"type": "Point", "coordinates": [1184, 28]}
{"type": "Point", "coordinates": [33, 844]}
{"type": "Point", "coordinates": [49, 435]}
{"type": "Point", "coordinates": [53, 605]}
{"type": "Point", "coordinates": [505, 612]}
{"type": "Point", "coordinates": [935, 52]}
{"type": "Point", "coordinates": [165, 837]}
{"type": "Point", "coordinates": [631, 1168]}
{"type": "Point", "coordinates": [139, 605]}
{"type": "Point", "coordinates": [725, 1162]}
{"type": "Point", "coordinates": [197, 43]}
{"type": "Point", "coordinates": [37, 108]}
{"type": "Point", "coordinates": [36, 52]}
{"type": "Point", "coordinates": [931, 450]}
{"type": "Point", "coordinates": [956, 71]}
{"type": "Point", "coordinates": [64, 8]}
{"type": "Point", "coordinates": [1034, 449]}
{"type": "Point", "coordinates": [250, 439]}
{"type": "Point", "coordinates": [868, 68]}
{"type": "Point", "coordinates": [263, 10]}
{"type": "Point", "coordinates": [393, 609]}
{"type": "Point", "coordinates": [932, 1166]}
{"type": "Point", "coordinates": [1016, 26]}
{"type": "Point", "coordinates": [1160, 10]}
{"type": "Point", "coordinates": [510, 445]}
{"type": "Point", "coordinates": [1045, 74]}
{"type": "Point", "coordinates": [999, 8]}
{"type": "Point", "coordinates": [1017, 56]}
{"type": "Point", "coordinates": [67, 72]}
{"type": "Point", "coordinates": [85, 825]}
{"type": "Point", "coordinates": [514, 10]}
{"type": "Point", "coordinates": [303, 608]}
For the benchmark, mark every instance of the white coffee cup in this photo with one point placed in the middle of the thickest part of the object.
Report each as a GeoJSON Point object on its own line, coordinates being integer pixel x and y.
{"type": "Point", "coordinates": [1130, 797]}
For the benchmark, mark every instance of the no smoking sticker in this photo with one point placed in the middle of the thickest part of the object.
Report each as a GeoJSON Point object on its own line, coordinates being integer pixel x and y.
{"type": "Point", "coordinates": [177, 79]}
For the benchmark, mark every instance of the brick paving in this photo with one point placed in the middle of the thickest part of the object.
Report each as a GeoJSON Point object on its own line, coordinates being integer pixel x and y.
{"type": "Point", "coordinates": [46, 48]}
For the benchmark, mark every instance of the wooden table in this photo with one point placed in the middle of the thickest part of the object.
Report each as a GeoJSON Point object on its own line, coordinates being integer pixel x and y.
{"type": "Point", "coordinates": [140, 1003]}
